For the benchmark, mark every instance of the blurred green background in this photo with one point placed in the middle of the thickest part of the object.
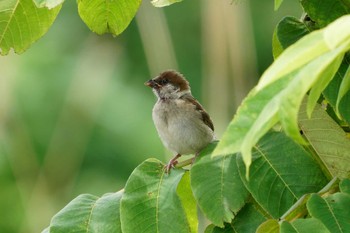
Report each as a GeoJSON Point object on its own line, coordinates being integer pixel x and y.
{"type": "Point", "coordinates": [75, 116]}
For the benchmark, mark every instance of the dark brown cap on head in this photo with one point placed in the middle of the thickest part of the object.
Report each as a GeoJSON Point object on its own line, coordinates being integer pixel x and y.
{"type": "Point", "coordinates": [169, 76]}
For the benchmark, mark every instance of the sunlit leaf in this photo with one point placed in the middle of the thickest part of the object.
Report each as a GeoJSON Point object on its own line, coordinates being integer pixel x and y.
{"type": "Point", "coordinates": [188, 201]}
{"type": "Point", "coordinates": [278, 4]}
{"type": "Point", "coordinates": [304, 226]}
{"type": "Point", "coordinates": [213, 181]}
{"type": "Point", "coordinates": [150, 202]}
{"type": "Point", "coordinates": [48, 3]}
{"type": "Point", "coordinates": [162, 3]}
{"type": "Point", "coordinates": [328, 140]}
{"type": "Point", "coordinates": [22, 23]}
{"type": "Point", "coordinates": [108, 16]}
{"type": "Point", "coordinates": [88, 213]}
{"type": "Point", "coordinates": [248, 219]}
{"type": "Point", "coordinates": [270, 226]}
{"type": "Point", "coordinates": [297, 70]}
{"type": "Point", "coordinates": [281, 172]}
{"type": "Point", "coordinates": [333, 211]}
{"type": "Point", "coordinates": [307, 49]}
{"type": "Point", "coordinates": [325, 11]}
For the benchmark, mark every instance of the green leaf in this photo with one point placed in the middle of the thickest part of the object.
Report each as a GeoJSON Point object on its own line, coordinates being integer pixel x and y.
{"type": "Point", "coordinates": [162, 3]}
{"type": "Point", "coordinates": [48, 3]}
{"type": "Point", "coordinates": [213, 182]}
{"type": "Point", "coordinates": [331, 93]}
{"type": "Point", "coordinates": [287, 80]}
{"type": "Point", "coordinates": [319, 86]}
{"type": "Point", "coordinates": [328, 140]}
{"type": "Point", "coordinates": [344, 88]}
{"type": "Point", "coordinates": [108, 16]}
{"type": "Point", "coordinates": [215, 229]}
{"type": "Point", "coordinates": [88, 213]}
{"type": "Point", "coordinates": [325, 11]}
{"type": "Point", "coordinates": [278, 4]}
{"type": "Point", "coordinates": [281, 172]}
{"type": "Point", "coordinates": [22, 23]}
{"type": "Point", "coordinates": [188, 201]}
{"type": "Point", "coordinates": [150, 202]}
{"type": "Point", "coordinates": [333, 212]}
{"type": "Point", "coordinates": [345, 186]}
{"type": "Point", "coordinates": [288, 31]}
{"type": "Point", "coordinates": [304, 226]}
{"type": "Point", "coordinates": [270, 226]}
{"type": "Point", "coordinates": [248, 219]}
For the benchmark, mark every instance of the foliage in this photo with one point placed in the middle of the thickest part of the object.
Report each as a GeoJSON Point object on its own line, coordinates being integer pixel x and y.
{"type": "Point", "coordinates": [258, 178]}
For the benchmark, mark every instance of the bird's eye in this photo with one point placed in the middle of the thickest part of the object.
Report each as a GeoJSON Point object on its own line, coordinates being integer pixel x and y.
{"type": "Point", "coordinates": [164, 81]}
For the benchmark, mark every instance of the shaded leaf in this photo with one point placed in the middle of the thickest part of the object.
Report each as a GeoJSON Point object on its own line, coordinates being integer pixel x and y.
{"type": "Point", "coordinates": [215, 229]}
{"type": "Point", "coordinates": [108, 16]}
{"type": "Point", "coordinates": [248, 219]}
{"type": "Point", "coordinates": [325, 11]}
{"type": "Point", "coordinates": [288, 31]}
{"type": "Point", "coordinates": [270, 226]}
{"type": "Point", "coordinates": [214, 181]}
{"type": "Point", "coordinates": [88, 213]}
{"type": "Point", "coordinates": [188, 201]}
{"type": "Point", "coordinates": [150, 202]}
{"type": "Point", "coordinates": [304, 226]}
{"type": "Point", "coordinates": [333, 212]}
{"type": "Point", "coordinates": [343, 89]}
{"type": "Point", "coordinates": [331, 93]}
{"type": "Point", "coordinates": [328, 139]}
{"type": "Point", "coordinates": [22, 23]}
{"type": "Point", "coordinates": [281, 172]}
{"type": "Point", "coordinates": [48, 3]}
{"type": "Point", "coordinates": [162, 3]}
{"type": "Point", "coordinates": [345, 186]}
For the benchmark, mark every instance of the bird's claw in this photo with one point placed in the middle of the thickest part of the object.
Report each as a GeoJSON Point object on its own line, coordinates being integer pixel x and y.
{"type": "Point", "coordinates": [170, 165]}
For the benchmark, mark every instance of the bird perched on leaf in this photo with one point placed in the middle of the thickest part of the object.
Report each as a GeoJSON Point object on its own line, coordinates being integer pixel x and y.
{"type": "Point", "coordinates": [182, 124]}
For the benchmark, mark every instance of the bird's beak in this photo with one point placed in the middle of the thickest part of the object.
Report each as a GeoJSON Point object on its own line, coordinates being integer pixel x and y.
{"type": "Point", "coordinates": [151, 83]}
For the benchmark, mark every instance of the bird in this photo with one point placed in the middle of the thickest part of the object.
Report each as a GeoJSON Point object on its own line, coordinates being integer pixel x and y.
{"type": "Point", "coordinates": [183, 125]}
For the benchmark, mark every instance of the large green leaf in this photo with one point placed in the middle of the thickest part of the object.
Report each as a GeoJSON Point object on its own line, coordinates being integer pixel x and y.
{"type": "Point", "coordinates": [297, 70]}
{"type": "Point", "coordinates": [22, 23]}
{"type": "Point", "coordinates": [214, 181]}
{"type": "Point", "coordinates": [248, 219]}
{"type": "Point", "coordinates": [333, 211]}
{"type": "Point", "coordinates": [107, 16]}
{"type": "Point", "coordinates": [188, 201]}
{"type": "Point", "coordinates": [270, 226]}
{"type": "Point", "coordinates": [88, 213]}
{"type": "Point", "coordinates": [325, 11]}
{"type": "Point", "coordinates": [48, 3]}
{"type": "Point", "coordinates": [288, 31]}
{"type": "Point", "coordinates": [150, 202]}
{"type": "Point", "coordinates": [162, 3]}
{"type": "Point", "coordinates": [281, 172]}
{"type": "Point", "coordinates": [328, 140]}
{"type": "Point", "coordinates": [304, 226]}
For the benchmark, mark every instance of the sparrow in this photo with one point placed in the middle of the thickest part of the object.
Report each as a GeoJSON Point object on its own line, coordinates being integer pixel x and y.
{"type": "Point", "coordinates": [184, 127]}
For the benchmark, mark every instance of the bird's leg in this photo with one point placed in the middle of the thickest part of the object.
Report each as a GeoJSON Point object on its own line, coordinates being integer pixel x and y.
{"type": "Point", "coordinates": [194, 158]}
{"type": "Point", "coordinates": [171, 164]}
